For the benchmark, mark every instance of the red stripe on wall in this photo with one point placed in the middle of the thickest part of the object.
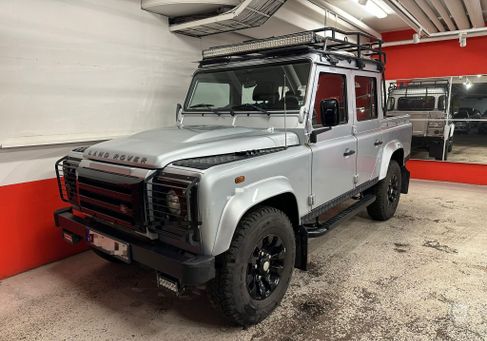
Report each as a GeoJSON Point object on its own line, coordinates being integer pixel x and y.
{"type": "Point", "coordinates": [468, 173]}
{"type": "Point", "coordinates": [28, 236]}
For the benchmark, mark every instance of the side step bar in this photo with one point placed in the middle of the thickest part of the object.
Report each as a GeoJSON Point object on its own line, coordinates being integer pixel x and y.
{"type": "Point", "coordinates": [344, 215]}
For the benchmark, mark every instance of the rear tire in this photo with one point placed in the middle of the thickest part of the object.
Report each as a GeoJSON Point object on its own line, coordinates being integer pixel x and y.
{"type": "Point", "coordinates": [253, 275]}
{"type": "Point", "coordinates": [450, 145]}
{"type": "Point", "coordinates": [387, 192]}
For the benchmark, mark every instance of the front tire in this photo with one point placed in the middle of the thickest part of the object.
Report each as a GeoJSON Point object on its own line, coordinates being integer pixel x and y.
{"type": "Point", "coordinates": [253, 275]}
{"type": "Point", "coordinates": [387, 192]}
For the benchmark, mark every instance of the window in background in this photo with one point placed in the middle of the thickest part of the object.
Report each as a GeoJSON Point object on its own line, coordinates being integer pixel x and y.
{"type": "Point", "coordinates": [416, 103]}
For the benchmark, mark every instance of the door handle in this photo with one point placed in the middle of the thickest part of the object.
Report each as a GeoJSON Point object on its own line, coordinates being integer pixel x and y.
{"type": "Point", "coordinates": [378, 143]}
{"type": "Point", "coordinates": [348, 152]}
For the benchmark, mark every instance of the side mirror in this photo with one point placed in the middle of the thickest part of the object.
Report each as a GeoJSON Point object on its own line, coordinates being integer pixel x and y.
{"type": "Point", "coordinates": [329, 112]}
{"type": "Point", "coordinates": [178, 110]}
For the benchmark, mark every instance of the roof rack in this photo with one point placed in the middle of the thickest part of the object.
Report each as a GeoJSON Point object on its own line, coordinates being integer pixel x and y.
{"type": "Point", "coordinates": [330, 41]}
{"type": "Point", "coordinates": [428, 86]}
{"type": "Point", "coordinates": [415, 84]}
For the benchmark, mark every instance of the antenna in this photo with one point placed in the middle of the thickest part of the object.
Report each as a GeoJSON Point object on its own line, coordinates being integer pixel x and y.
{"type": "Point", "coordinates": [285, 109]}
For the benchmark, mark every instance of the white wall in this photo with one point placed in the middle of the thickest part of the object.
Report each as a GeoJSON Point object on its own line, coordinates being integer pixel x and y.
{"type": "Point", "coordinates": [75, 70]}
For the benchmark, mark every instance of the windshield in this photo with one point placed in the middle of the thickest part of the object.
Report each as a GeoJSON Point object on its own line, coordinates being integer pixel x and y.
{"type": "Point", "coordinates": [267, 88]}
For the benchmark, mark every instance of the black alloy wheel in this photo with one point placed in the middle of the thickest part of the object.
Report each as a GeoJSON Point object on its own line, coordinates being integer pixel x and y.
{"type": "Point", "coordinates": [265, 267]}
{"type": "Point", "coordinates": [393, 189]}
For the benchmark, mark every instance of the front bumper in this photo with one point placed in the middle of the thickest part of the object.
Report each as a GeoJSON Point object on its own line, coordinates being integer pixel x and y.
{"type": "Point", "coordinates": [185, 268]}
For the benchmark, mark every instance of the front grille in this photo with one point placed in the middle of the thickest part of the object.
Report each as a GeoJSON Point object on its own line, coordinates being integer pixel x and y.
{"type": "Point", "coordinates": [112, 197]}
{"type": "Point", "coordinates": [163, 190]}
{"type": "Point", "coordinates": [66, 178]}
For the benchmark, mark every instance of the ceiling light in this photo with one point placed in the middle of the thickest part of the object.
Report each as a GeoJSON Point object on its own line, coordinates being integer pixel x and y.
{"type": "Point", "coordinates": [478, 76]}
{"type": "Point", "coordinates": [468, 84]}
{"type": "Point", "coordinates": [372, 8]}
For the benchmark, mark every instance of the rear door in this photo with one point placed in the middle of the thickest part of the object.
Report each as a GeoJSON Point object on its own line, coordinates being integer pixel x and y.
{"type": "Point", "coordinates": [334, 153]}
{"type": "Point", "coordinates": [367, 129]}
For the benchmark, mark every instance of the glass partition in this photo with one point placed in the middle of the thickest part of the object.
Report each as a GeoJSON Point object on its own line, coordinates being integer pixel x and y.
{"type": "Point", "coordinates": [449, 116]}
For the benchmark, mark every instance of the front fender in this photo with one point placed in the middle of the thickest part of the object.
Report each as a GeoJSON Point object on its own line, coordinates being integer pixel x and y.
{"type": "Point", "coordinates": [244, 199]}
{"type": "Point", "coordinates": [389, 149]}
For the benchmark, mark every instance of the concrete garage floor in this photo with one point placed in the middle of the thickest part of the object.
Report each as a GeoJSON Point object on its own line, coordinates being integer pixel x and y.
{"type": "Point", "coordinates": [421, 275]}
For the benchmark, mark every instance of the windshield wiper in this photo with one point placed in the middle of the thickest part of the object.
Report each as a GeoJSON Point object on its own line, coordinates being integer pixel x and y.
{"type": "Point", "coordinates": [205, 105]}
{"type": "Point", "coordinates": [201, 105]}
{"type": "Point", "coordinates": [250, 105]}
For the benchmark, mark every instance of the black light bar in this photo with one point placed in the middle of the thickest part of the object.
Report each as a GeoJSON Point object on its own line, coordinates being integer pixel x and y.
{"type": "Point", "coordinates": [296, 39]}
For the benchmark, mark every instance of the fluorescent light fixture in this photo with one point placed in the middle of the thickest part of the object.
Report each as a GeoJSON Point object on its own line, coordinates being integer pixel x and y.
{"type": "Point", "coordinates": [371, 7]}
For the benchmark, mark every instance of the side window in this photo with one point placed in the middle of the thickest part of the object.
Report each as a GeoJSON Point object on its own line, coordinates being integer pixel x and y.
{"type": "Point", "coordinates": [366, 98]}
{"type": "Point", "coordinates": [331, 86]}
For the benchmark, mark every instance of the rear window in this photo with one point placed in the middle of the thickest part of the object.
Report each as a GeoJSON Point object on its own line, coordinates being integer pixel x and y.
{"type": "Point", "coordinates": [416, 103]}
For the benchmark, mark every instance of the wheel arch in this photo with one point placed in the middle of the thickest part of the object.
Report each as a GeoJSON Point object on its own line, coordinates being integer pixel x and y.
{"type": "Point", "coordinates": [276, 192]}
{"type": "Point", "coordinates": [394, 150]}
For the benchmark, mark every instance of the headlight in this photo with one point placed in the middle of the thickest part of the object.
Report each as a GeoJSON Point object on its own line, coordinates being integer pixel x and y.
{"type": "Point", "coordinates": [173, 202]}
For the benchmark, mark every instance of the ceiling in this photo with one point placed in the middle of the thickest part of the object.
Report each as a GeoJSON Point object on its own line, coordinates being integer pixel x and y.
{"type": "Point", "coordinates": [390, 23]}
{"type": "Point", "coordinates": [430, 18]}
{"type": "Point", "coordinates": [433, 15]}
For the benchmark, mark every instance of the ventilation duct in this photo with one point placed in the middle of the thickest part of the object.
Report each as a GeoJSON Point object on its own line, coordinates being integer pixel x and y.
{"type": "Point", "coordinates": [247, 14]}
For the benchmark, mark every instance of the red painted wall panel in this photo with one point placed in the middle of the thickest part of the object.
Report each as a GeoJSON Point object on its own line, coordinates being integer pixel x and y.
{"type": "Point", "coordinates": [437, 59]}
{"type": "Point", "coordinates": [467, 173]}
{"type": "Point", "coordinates": [28, 237]}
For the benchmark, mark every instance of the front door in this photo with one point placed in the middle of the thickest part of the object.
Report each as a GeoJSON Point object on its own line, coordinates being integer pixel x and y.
{"type": "Point", "coordinates": [368, 114]}
{"type": "Point", "coordinates": [334, 153]}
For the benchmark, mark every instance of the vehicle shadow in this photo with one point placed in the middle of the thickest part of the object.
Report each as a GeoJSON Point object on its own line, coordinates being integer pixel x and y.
{"type": "Point", "coordinates": [131, 291]}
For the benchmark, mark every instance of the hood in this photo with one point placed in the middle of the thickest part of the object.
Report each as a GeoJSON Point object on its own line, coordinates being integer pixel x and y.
{"type": "Point", "coordinates": [160, 147]}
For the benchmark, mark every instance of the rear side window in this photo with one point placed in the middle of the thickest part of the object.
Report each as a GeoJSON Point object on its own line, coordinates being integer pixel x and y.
{"type": "Point", "coordinates": [331, 86]}
{"type": "Point", "coordinates": [416, 103]}
{"type": "Point", "coordinates": [366, 98]}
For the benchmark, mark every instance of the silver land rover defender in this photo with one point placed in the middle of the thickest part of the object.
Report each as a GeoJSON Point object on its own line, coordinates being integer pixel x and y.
{"type": "Point", "coordinates": [273, 133]}
{"type": "Point", "coordinates": [426, 102]}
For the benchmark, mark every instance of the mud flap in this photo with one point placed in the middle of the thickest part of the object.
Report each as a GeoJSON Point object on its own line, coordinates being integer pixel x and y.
{"type": "Point", "coordinates": [405, 176]}
{"type": "Point", "coordinates": [301, 236]}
